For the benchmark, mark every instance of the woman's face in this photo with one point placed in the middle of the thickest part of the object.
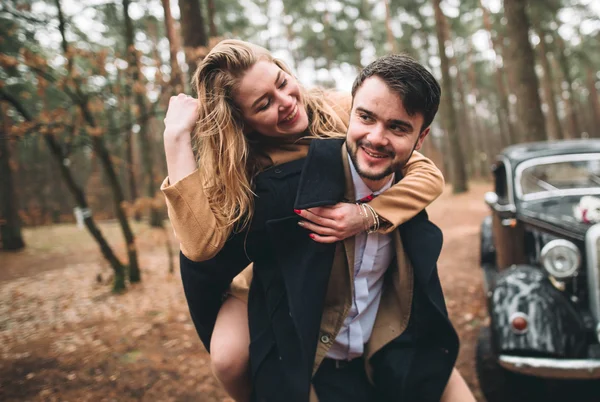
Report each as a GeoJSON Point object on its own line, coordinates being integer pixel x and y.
{"type": "Point", "coordinates": [270, 101]}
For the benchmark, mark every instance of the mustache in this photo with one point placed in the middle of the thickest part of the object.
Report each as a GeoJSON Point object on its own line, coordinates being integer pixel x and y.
{"type": "Point", "coordinates": [379, 149]}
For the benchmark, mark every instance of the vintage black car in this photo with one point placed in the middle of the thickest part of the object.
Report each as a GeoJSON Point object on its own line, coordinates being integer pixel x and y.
{"type": "Point", "coordinates": [541, 264]}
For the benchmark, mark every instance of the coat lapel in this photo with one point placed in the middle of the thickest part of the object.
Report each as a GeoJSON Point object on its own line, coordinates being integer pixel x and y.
{"type": "Point", "coordinates": [322, 178]}
{"type": "Point", "coordinates": [326, 180]}
{"type": "Point", "coordinates": [423, 243]}
{"type": "Point", "coordinates": [349, 194]}
{"type": "Point", "coordinates": [306, 264]}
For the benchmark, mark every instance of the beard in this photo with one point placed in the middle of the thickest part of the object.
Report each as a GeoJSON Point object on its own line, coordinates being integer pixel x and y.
{"type": "Point", "coordinates": [394, 166]}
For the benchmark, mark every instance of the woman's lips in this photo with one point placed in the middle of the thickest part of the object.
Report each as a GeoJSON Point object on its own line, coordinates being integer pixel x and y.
{"type": "Point", "coordinates": [292, 117]}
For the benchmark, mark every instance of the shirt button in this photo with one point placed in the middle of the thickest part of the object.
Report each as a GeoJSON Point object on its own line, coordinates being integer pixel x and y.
{"type": "Point", "coordinates": [325, 339]}
{"type": "Point", "coordinates": [277, 171]}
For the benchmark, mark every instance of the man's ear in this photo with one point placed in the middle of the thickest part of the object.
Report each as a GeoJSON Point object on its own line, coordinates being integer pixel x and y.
{"type": "Point", "coordinates": [422, 136]}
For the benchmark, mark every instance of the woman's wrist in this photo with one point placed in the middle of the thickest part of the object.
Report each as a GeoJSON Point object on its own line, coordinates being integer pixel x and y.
{"type": "Point", "coordinates": [177, 137]}
{"type": "Point", "coordinates": [370, 218]}
{"type": "Point", "coordinates": [180, 159]}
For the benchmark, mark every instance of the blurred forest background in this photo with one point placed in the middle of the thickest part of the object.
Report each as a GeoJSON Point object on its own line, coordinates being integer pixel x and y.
{"type": "Point", "coordinates": [84, 87]}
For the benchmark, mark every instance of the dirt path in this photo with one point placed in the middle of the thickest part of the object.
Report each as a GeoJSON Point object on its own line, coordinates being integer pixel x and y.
{"type": "Point", "coordinates": [459, 218]}
{"type": "Point", "coordinates": [63, 336]}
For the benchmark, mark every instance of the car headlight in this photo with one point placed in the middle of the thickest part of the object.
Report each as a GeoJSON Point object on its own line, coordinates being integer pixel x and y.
{"type": "Point", "coordinates": [561, 258]}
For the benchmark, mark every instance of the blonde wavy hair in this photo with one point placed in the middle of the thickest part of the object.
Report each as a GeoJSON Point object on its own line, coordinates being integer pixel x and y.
{"type": "Point", "coordinates": [227, 160]}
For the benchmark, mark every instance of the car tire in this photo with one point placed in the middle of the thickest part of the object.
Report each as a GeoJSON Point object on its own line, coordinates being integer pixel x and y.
{"type": "Point", "coordinates": [500, 385]}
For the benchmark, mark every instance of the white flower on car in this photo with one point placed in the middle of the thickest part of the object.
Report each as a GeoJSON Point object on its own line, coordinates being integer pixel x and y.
{"type": "Point", "coordinates": [588, 210]}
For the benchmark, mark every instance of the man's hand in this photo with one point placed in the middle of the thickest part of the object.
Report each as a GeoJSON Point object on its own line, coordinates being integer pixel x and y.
{"type": "Point", "coordinates": [332, 223]}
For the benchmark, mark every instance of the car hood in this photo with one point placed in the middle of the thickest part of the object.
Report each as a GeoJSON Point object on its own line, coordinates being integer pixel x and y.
{"type": "Point", "coordinates": [554, 215]}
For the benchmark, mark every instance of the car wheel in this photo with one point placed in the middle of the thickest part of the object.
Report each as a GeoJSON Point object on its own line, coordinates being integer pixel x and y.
{"type": "Point", "coordinates": [500, 385]}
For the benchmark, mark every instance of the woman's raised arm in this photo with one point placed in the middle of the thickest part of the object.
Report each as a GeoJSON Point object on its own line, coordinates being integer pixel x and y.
{"type": "Point", "coordinates": [421, 185]}
{"type": "Point", "coordinates": [196, 227]}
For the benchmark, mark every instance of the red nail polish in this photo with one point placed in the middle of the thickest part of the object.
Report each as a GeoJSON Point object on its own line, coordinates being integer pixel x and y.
{"type": "Point", "coordinates": [312, 236]}
{"type": "Point", "coordinates": [297, 211]}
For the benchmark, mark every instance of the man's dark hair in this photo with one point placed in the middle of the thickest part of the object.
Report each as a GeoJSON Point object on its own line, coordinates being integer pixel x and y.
{"type": "Point", "coordinates": [416, 86]}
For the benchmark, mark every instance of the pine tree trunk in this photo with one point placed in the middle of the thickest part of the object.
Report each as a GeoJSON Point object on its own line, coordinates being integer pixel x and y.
{"type": "Point", "coordinates": [11, 238]}
{"type": "Point", "coordinates": [133, 193]}
{"type": "Point", "coordinates": [506, 125]}
{"type": "Point", "coordinates": [520, 61]}
{"type": "Point", "coordinates": [480, 135]}
{"type": "Point", "coordinates": [466, 129]}
{"type": "Point", "coordinates": [155, 217]}
{"type": "Point", "coordinates": [554, 128]}
{"type": "Point", "coordinates": [78, 195]}
{"type": "Point", "coordinates": [584, 118]}
{"type": "Point", "coordinates": [102, 153]}
{"type": "Point", "coordinates": [176, 75]}
{"type": "Point", "coordinates": [459, 175]}
{"type": "Point", "coordinates": [289, 33]}
{"type": "Point", "coordinates": [109, 171]}
{"type": "Point", "coordinates": [131, 181]}
{"type": "Point", "coordinates": [390, 40]}
{"type": "Point", "coordinates": [593, 101]}
{"type": "Point", "coordinates": [193, 30]}
{"type": "Point", "coordinates": [574, 129]}
{"type": "Point", "coordinates": [212, 28]}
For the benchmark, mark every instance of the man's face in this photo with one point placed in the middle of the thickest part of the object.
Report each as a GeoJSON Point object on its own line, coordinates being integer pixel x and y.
{"type": "Point", "coordinates": [381, 135]}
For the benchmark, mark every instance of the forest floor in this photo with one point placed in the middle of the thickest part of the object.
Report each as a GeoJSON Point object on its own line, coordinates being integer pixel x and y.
{"type": "Point", "coordinates": [65, 337]}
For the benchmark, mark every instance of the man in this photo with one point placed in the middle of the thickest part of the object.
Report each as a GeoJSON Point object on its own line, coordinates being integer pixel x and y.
{"type": "Point", "coordinates": [363, 319]}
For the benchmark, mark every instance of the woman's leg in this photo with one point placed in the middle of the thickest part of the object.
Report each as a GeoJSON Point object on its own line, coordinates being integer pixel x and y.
{"type": "Point", "coordinates": [457, 389]}
{"type": "Point", "coordinates": [229, 354]}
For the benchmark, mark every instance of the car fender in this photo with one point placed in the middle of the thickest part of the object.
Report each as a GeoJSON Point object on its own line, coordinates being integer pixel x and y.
{"type": "Point", "coordinates": [554, 327]}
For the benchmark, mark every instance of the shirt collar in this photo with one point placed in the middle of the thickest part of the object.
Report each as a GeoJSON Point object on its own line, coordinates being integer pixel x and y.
{"type": "Point", "coordinates": [361, 190]}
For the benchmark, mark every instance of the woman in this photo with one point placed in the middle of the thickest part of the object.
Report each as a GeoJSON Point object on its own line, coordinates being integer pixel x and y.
{"type": "Point", "coordinates": [252, 114]}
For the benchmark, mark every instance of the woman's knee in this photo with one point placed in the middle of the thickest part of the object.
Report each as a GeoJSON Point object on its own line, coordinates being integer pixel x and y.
{"type": "Point", "coordinates": [230, 341]}
{"type": "Point", "coordinates": [228, 360]}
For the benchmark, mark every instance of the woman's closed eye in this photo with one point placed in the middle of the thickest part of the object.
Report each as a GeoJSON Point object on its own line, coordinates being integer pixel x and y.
{"type": "Point", "coordinates": [265, 106]}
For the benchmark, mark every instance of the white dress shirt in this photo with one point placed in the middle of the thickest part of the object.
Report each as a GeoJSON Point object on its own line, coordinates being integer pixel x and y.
{"type": "Point", "coordinates": [373, 254]}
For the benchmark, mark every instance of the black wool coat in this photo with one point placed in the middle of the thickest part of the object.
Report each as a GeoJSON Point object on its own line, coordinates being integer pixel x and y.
{"type": "Point", "coordinates": [291, 274]}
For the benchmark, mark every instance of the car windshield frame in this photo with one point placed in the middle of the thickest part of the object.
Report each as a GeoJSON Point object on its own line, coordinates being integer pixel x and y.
{"type": "Point", "coordinates": [553, 192]}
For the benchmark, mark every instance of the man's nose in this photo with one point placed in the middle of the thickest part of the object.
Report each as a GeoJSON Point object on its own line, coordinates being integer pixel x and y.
{"type": "Point", "coordinates": [376, 135]}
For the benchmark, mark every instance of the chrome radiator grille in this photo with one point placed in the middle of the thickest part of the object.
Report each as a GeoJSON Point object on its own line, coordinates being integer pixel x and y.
{"type": "Point", "coordinates": [592, 245]}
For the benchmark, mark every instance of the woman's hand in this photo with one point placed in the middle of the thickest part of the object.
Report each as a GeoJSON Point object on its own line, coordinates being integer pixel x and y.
{"type": "Point", "coordinates": [332, 223]}
{"type": "Point", "coordinates": [180, 120]}
{"type": "Point", "coordinates": [181, 117]}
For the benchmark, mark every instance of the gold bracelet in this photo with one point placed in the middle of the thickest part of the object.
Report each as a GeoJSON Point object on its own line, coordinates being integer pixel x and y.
{"type": "Point", "coordinates": [362, 212]}
{"type": "Point", "coordinates": [367, 220]}
{"type": "Point", "coordinates": [376, 222]}
{"type": "Point", "coordinates": [373, 220]}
